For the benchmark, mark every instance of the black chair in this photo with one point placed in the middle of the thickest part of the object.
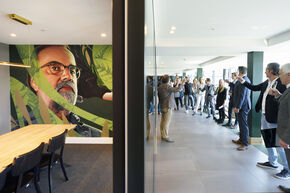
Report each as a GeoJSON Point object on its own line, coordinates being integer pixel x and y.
{"type": "Point", "coordinates": [24, 168]}
{"type": "Point", "coordinates": [3, 175]}
{"type": "Point", "coordinates": [48, 159]}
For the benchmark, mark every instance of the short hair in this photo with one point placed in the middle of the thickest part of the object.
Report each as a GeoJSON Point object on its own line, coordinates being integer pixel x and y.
{"type": "Point", "coordinates": [242, 69]}
{"type": "Point", "coordinates": [275, 67]}
{"type": "Point", "coordinates": [234, 73]}
{"type": "Point", "coordinates": [207, 80]}
{"type": "Point", "coordinates": [165, 78]}
{"type": "Point", "coordinates": [149, 78]}
{"type": "Point", "coordinates": [286, 68]}
{"type": "Point", "coordinates": [39, 48]}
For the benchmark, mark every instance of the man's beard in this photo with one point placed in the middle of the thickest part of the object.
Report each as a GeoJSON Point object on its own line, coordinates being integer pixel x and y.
{"type": "Point", "coordinates": [69, 96]}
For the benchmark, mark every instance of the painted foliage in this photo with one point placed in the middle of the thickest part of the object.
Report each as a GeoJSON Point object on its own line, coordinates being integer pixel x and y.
{"type": "Point", "coordinates": [64, 84]}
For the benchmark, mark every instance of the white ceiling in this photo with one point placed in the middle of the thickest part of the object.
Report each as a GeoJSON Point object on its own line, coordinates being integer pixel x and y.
{"type": "Point", "coordinates": [57, 21]}
{"type": "Point", "coordinates": [206, 29]}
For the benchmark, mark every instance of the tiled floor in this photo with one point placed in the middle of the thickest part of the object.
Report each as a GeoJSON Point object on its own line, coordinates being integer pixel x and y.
{"type": "Point", "coordinates": [204, 160]}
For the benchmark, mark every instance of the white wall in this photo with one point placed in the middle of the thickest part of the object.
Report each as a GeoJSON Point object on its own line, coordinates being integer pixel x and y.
{"type": "Point", "coordinates": [5, 114]}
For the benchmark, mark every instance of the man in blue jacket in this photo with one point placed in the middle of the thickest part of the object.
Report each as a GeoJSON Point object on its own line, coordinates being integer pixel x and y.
{"type": "Point", "coordinates": [242, 106]}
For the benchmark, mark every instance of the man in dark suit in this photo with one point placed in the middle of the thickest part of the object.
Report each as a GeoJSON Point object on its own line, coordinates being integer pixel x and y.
{"type": "Point", "coordinates": [231, 101]}
{"type": "Point", "coordinates": [269, 107]}
{"type": "Point", "coordinates": [242, 106]}
{"type": "Point", "coordinates": [283, 128]}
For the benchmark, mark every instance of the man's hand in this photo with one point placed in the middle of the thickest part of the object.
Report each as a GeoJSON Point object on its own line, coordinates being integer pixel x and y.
{"type": "Point", "coordinates": [240, 78]}
{"type": "Point", "coordinates": [227, 81]}
{"type": "Point", "coordinates": [274, 92]}
{"type": "Point", "coordinates": [231, 94]}
{"type": "Point", "coordinates": [283, 144]}
{"type": "Point", "coordinates": [236, 110]}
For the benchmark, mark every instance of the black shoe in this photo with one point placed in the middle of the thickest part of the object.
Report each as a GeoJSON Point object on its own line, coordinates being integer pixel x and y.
{"type": "Point", "coordinates": [284, 189]}
{"type": "Point", "coordinates": [227, 125]}
{"type": "Point", "coordinates": [266, 165]}
{"type": "Point", "coordinates": [208, 116]}
{"type": "Point", "coordinates": [193, 113]}
{"type": "Point", "coordinates": [283, 175]}
{"type": "Point", "coordinates": [220, 121]}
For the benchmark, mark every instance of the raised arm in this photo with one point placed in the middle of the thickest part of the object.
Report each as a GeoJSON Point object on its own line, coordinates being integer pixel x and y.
{"type": "Point", "coordinates": [251, 86]}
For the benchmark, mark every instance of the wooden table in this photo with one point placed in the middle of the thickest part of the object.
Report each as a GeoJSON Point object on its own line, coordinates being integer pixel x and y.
{"type": "Point", "coordinates": [26, 139]}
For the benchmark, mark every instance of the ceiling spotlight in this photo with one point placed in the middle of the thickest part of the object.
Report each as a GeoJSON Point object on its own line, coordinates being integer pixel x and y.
{"type": "Point", "coordinates": [173, 28]}
{"type": "Point", "coordinates": [13, 35]}
{"type": "Point", "coordinates": [171, 32]}
{"type": "Point", "coordinates": [103, 35]}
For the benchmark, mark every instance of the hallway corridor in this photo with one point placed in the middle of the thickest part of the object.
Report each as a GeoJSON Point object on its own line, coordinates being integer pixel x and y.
{"type": "Point", "coordinates": [204, 160]}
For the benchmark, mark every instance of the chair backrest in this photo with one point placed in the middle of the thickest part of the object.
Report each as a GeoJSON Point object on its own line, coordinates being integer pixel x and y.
{"type": "Point", "coordinates": [57, 142]}
{"type": "Point", "coordinates": [3, 175]}
{"type": "Point", "coordinates": [27, 161]}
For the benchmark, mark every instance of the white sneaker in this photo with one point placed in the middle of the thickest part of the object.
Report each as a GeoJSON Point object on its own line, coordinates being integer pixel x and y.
{"type": "Point", "coordinates": [186, 111]}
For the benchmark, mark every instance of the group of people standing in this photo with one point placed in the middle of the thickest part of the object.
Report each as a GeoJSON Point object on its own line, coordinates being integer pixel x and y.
{"type": "Point", "coordinates": [273, 103]}
{"type": "Point", "coordinates": [200, 94]}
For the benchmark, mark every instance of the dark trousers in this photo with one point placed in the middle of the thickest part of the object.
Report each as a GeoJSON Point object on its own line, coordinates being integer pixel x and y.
{"type": "Point", "coordinates": [243, 124]}
{"type": "Point", "coordinates": [230, 113]}
{"type": "Point", "coordinates": [222, 114]}
{"type": "Point", "coordinates": [177, 101]}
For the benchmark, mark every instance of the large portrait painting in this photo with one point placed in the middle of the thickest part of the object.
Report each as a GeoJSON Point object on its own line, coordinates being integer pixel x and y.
{"type": "Point", "coordinates": [65, 84]}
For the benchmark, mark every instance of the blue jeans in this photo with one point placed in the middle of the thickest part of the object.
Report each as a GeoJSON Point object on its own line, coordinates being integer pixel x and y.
{"type": "Point", "coordinates": [187, 99]}
{"type": "Point", "coordinates": [151, 107]}
{"type": "Point", "coordinates": [273, 151]}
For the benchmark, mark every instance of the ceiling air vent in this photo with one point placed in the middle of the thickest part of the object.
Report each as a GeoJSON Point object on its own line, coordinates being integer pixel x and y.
{"type": "Point", "coordinates": [20, 19]}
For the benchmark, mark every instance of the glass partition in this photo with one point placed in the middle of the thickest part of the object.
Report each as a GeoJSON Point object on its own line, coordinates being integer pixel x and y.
{"type": "Point", "coordinates": [150, 97]}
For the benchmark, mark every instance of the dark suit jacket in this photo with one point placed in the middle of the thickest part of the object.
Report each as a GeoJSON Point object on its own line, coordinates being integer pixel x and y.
{"type": "Point", "coordinates": [232, 90]}
{"type": "Point", "coordinates": [283, 128]}
{"type": "Point", "coordinates": [221, 97]}
{"type": "Point", "coordinates": [242, 95]}
{"type": "Point", "coordinates": [271, 107]}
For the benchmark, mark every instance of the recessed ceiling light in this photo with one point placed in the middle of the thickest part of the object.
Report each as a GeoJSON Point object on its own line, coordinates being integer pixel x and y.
{"type": "Point", "coordinates": [171, 32]}
{"type": "Point", "coordinates": [13, 35]}
{"type": "Point", "coordinates": [173, 28]}
{"type": "Point", "coordinates": [103, 35]}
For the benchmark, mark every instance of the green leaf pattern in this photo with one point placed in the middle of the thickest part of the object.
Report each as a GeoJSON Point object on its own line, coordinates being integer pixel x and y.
{"type": "Point", "coordinates": [28, 56]}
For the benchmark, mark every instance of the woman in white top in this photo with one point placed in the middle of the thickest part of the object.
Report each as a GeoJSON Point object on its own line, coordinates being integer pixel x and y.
{"type": "Point", "coordinates": [200, 96]}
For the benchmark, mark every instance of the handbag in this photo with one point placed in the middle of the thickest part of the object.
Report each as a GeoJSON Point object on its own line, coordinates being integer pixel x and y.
{"type": "Point", "coordinates": [269, 136]}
